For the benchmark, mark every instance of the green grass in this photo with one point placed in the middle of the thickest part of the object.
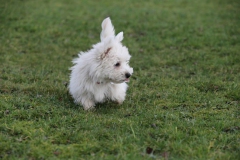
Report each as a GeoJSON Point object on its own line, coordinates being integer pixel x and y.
{"type": "Point", "coordinates": [183, 99]}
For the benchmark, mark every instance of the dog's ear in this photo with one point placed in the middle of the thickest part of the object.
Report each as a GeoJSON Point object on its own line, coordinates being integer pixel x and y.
{"type": "Point", "coordinates": [119, 36]}
{"type": "Point", "coordinates": [107, 29]}
{"type": "Point", "coordinates": [105, 53]}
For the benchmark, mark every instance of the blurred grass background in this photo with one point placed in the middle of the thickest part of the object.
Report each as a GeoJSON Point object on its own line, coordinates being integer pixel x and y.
{"type": "Point", "coordinates": [182, 102]}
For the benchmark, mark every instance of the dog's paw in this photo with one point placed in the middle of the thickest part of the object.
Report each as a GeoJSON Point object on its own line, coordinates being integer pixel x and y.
{"type": "Point", "coordinates": [120, 99]}
{"type": "Point", "coordinates": [89, 105]}
{"type": "Point", "coordinates": [89, 108]}
{"type": "Point", "coordinates": [119, 102]}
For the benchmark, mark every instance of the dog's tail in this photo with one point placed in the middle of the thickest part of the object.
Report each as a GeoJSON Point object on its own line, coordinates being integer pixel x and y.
{"type": "Point", "coordinates": [107, 29]}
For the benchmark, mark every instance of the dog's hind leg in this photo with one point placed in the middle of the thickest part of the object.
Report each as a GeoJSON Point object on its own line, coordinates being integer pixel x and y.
{"type": "Point", "coordinates": [88, 104]}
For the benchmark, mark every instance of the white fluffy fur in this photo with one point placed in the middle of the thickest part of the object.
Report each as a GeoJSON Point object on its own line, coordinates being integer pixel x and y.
{"type": "Point", "coordinates": [101, 72]}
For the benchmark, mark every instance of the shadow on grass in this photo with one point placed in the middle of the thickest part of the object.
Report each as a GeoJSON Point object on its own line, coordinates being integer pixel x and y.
{"type": "Point", "coordinates": [107, 107]}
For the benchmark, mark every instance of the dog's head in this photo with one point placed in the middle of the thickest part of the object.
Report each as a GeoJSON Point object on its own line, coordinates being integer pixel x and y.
{"type": "Point", "coordinates": [113, 57]}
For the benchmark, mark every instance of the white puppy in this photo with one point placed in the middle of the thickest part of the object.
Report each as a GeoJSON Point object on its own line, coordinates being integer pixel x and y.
{"type": "Point", "coordinates": [101, 72]}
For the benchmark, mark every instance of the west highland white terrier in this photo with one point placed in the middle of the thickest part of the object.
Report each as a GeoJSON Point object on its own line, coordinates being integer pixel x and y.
{"type": "Point", "coordinates": [102, 72]}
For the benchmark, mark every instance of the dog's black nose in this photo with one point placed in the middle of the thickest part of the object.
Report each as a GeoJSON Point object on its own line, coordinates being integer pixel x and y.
{"type": "Point", "coordinates": [127, 75]}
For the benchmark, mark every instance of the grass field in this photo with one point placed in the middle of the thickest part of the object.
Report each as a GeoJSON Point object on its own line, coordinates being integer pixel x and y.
{"type": "Point", "coordinates": [183, 99]}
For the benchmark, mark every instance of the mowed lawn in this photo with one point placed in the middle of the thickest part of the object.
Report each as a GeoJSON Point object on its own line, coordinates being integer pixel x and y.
{"type": "Point", "coordinates": [183, 100]}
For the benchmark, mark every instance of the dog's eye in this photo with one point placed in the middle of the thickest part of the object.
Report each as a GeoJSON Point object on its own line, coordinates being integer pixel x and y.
{"type": "Point", "coordinates": [117, 64]}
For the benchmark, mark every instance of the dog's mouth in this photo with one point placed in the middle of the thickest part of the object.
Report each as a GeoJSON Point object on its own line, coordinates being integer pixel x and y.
{"type": "Point", "coordinates": [126, 80]}
{"type": "Point", "coordinates": [119, 81]}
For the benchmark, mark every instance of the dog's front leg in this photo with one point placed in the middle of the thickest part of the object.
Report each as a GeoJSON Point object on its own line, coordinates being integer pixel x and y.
{"type": "Point", "coordinates": [118, 92]}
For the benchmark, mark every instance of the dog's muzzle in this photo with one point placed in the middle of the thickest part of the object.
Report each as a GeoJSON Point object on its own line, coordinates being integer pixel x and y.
{"type": "Point", "coordinates": [127, 75]}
